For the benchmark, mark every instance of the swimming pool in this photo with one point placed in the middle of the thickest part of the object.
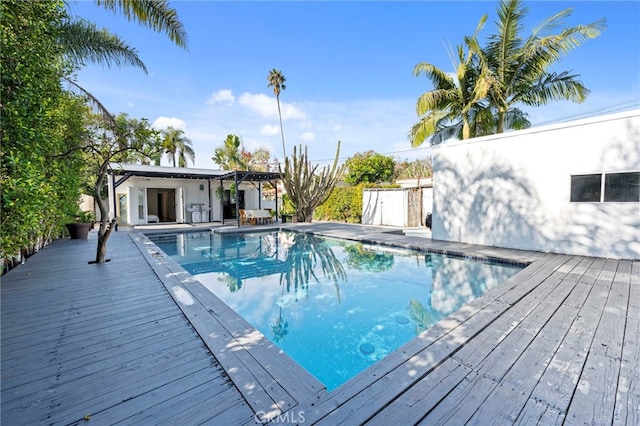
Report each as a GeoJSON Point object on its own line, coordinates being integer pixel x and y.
{"type": "Point", "coordinates": [334, 306]}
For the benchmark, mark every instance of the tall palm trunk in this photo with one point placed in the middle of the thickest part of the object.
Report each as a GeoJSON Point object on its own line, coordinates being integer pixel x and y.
{"type": "Point", "coordinates": [284, 151]}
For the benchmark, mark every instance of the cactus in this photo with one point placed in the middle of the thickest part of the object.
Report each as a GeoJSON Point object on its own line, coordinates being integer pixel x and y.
{"type": "Point", "coordinates": [306, 187]}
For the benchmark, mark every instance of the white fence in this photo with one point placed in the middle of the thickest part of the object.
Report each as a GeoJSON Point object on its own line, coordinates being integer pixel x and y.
{"type": "Point", "coordinates": [393, 207]}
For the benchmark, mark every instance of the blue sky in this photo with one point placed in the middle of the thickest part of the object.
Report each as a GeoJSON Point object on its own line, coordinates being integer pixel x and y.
{"type": "Point", "coordinates": [348, 65]}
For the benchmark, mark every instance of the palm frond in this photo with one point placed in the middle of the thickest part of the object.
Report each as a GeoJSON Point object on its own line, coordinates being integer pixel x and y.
{"type": "Point", "coordinates": [154, 14]}
{"type": "Point", "coordinates": [83, 41]}
{"type": "Point", "coordinates": [100, 108]}
{"type": "Point", "coordinates": [554, 87]}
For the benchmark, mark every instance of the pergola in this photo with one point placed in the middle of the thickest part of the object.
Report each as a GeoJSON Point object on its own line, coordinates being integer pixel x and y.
{"type": "Point", "coordinates": [122, 172]}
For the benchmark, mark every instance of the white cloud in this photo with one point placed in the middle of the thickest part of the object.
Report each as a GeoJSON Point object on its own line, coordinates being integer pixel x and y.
{"type": "Point", "coordinates": [221, 96]}
{"type": "Point", "coordinates": [307, 136]}
{"type": "Point", "coordinates": [269, 130]}
{"type": "Point", "coordinates": [164, 122]}
{"type": "Point", "coordinates": [268, 108]}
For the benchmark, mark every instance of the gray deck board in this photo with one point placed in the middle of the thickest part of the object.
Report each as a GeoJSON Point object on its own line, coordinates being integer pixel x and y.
{"type": "Point", "coordinates": [138, 341]}
{"type": "Point", "coordinates": [104, 340]}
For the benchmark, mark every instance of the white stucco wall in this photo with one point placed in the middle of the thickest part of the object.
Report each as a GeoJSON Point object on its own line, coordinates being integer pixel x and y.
{"type": "Point", "coordinates": [135, 187]}
{"type": "Point", "coordinates": [513, 190]}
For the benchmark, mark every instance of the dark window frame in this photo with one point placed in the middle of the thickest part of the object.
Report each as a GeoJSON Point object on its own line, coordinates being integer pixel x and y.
{"type": "Point", "coordinates": [606, 187]}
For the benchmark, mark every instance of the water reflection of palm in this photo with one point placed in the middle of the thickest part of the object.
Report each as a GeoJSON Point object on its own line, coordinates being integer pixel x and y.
{"type": "Point", "coordinates": [303, 255]}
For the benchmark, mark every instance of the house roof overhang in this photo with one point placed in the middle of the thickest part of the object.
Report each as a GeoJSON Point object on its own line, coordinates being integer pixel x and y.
{"type": "Point", "coordinates": [131, 170]}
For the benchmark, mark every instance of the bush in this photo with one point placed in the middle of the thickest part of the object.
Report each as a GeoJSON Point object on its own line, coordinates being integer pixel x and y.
{"type": "Point", "coordinates": [344, 205]}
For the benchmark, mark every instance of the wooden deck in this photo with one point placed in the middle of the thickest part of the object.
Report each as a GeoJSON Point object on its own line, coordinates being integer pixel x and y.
{"type": "Point", "coordinates": [105, 341]}
{"type": "Point", "coordinates": [559, 343]}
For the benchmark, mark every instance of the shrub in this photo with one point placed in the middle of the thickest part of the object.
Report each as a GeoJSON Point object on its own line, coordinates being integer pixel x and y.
{"type": "Point", "coordinates": [344, 205]}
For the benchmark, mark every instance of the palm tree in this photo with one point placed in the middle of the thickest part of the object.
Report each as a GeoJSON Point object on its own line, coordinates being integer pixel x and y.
{"type": "Point", "coordinates": [84, 42]}
{"type": "Point", "coordinates": [229, 155]}
{"type": "Point", "coordinates": [455, 106]}
{"type": "Point", "coordinates": [175, 142]}
{"type": "Point", "coordinates": [519, 67]}
{"type": "Point", "coordinates": [276, 80]}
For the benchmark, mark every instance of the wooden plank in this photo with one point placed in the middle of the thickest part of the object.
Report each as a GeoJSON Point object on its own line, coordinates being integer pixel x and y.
{"type": "Point", "coordinates": [558, 383]}
{"type": "Point", "coordinates": [627, 406]}
{"type": "Point", "coordinates": [37, 384]}
{"type": "Point", "coordinates": [71, 347]}
{"type": "Point", "coordinates": [160, 374]}
{"type": "Point", "coordinates": [538, 413]}
{"type": "Point", "coordinates": [460, 404]}
{"type": "Point", "coordinates": [40, 340]}
{"type": "Point", "coordinates": [607, 273]}
{"type": "Point", "coordinates": [591, 275]}
{"type": "Point", "coordinates": [504, 357]}
{"type": "Point", "coordinates": [510, 331]}
{"type": "Point", "coordinates": [594, 398]}
{"type": "Point", "coordinates": [577, 273]}
{"type": "Point", "coordinates": [420, 399]}
{"type": "Point", "coordinates": [540, 275]}
{"type": "Point", "coordinates": [166, 398]}
{"type": "Point", "coordinates": [195, 413]}
{"type": "Point", "coordinates": [505, 403]}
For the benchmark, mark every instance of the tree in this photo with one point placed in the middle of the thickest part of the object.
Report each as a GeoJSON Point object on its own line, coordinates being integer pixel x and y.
{"type": "Point", "coordinates": [454, 107]}
{"type": "Point", "coordinates": [232, 156]}
{"type": "Point", "coordinates": [175, 142]}
{"type": "Point", "coordinates": [369, 167]}
{"type": "Point", "coordinates": [490, 82]}
{"type": "Point", "coordinates": [229, 155]}
{"type": "Point", "coordinates": [106, 144]}
{"type": "Point", "coordinates": [82, 41]}
{"type": "Point", "coordinates": [415, 169]}
{"type": "Point", "coordinates": [519, 68]}
{"type": "Point", "coordinates": [276, 80]}
{"type": "Point", "coordinates": [307, 188]}
{"type": "Point", "coordinates": [38, 120]}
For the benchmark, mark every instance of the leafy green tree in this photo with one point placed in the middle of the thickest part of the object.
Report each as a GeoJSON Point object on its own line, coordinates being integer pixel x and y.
{"type": "Point", "coordinates": [519, 67]}
{"type": "Point", "coordinates": [106, 144]}
{"type": "Point", "coordinates": [38, 120]}
{"type": "Point", "coordinates": [369, 167]}
{"type": "Point", "coordinates": [276, 80]}
{"type": "Point", "coordinates": [415, 169]}
{"type": "Point", "coordinates": [343, 205]}
{"type": "Point", "coordinates": [175, 143]}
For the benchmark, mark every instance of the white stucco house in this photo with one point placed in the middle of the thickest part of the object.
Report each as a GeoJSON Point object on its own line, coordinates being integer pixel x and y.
{"type": "Point", "coordinates": [570, 188]}
{"type": "Point", "coordinates": [141, 194]}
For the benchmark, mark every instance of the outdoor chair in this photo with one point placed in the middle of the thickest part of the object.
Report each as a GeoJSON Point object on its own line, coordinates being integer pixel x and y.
{"type": "Point", "coordinates": [244, 220]}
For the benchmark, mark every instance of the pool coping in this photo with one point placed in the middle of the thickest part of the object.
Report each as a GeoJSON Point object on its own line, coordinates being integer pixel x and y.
{"type": "Point", "coordinates": [271, 382]}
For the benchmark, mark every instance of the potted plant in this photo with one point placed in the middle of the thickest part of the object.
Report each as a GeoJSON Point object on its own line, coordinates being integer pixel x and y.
{"type": "Point", "coordinates": [79, 229]}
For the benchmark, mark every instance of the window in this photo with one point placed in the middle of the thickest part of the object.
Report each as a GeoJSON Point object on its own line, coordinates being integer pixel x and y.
{"type": "Point", "coordinates": [585, 188]}
{"type": "Point", "coordinates": [622, 187]}
{"type": "Point", "coordinates": [617, 187]}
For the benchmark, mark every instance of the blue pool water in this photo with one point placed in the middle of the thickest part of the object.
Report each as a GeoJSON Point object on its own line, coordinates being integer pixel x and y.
{"type": "Point", "coordinates": [334, 306]}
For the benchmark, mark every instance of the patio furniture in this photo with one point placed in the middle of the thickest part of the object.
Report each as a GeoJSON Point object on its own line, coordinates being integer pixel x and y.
{"type": "Point", "coordinates": [244, 217]}
{"type": "Point", "coordinates": [258, 216]}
